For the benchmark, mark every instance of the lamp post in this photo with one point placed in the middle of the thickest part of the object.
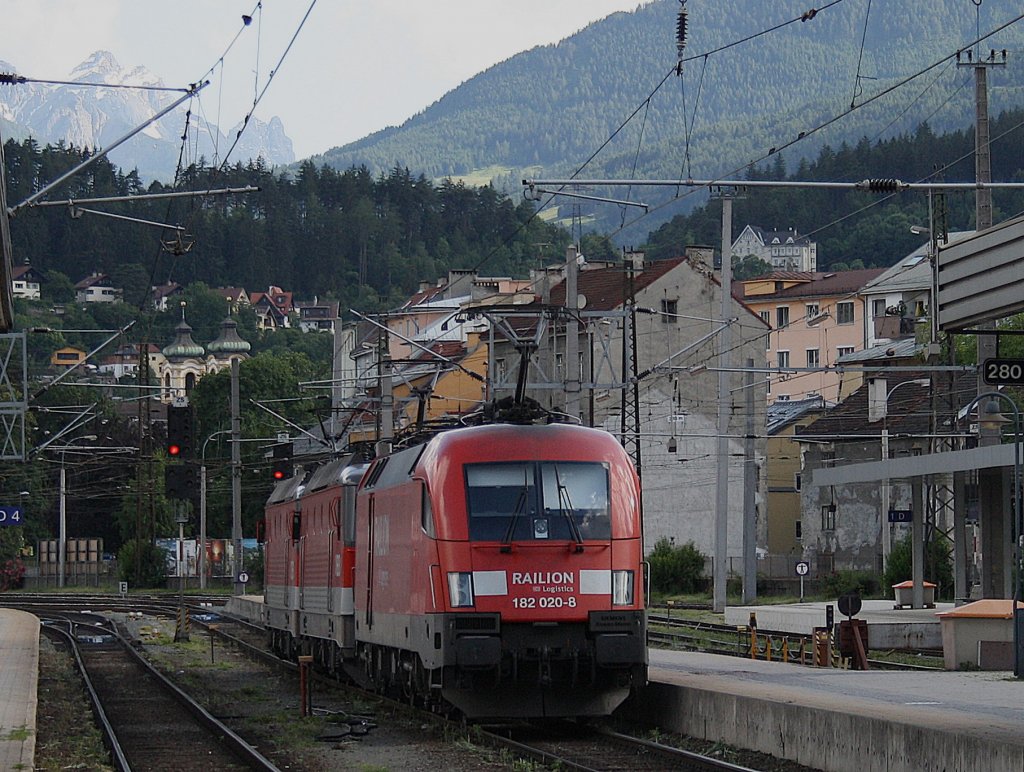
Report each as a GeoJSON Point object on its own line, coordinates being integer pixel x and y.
{"type": "Point", "coordinates": [62, 536]}
{"type": "Point", "coordinates": [993, 418]}
{"type": "Point", "coordinates": [886, 527]}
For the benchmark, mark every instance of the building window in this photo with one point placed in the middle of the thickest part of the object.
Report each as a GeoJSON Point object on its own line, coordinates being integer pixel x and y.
{"type": "Point", "coordinates": [813, 358]}
{"type": "Point", "coordinates": [844, 350]}
{"type": "Point", "coordinates": [783, 359]}
{"type": "Point", "coordinates": [782, 398]}
{"type": "Point", "coordinates": [844, 312]}
{"type": "Point", "coordinates": [798, 480]}
{"type": "Point", "coordinates": [811, 310]}
{"type": "Point", "coordinates": [766, 316]}
{"type": "Point", "coordinates": [799, 530]}
{"type": "Point", "coordinates": [828, 517]}
{"type": "Point", "coordinates": [669, 311]}
{"type": "Point", "coordinates": [782, 316]}
{"type": "Point", "coordinates": [878, 307]}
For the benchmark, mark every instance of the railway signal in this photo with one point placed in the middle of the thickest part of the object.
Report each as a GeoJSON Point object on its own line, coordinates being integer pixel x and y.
{"type": "Point", "coordinates": [181, 482]}
{"type": "Point", "coordinates": [181, 431]}
{"type": "Point", "coordinates": [281, 468]}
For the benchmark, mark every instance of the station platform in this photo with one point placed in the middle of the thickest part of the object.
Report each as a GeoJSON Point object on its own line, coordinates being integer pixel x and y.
{"type": "Point", "coordinates": [890, 628]}
{"type": "Point", "coordinates": [19, 678]}
{"type": "Point", "coordinates": [840, 720]}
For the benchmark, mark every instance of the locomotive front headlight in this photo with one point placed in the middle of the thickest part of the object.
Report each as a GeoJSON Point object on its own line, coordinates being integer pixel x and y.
{"type": "Point", "coordinates": [460, 588]}
{"type": "Point", "coordinates": [622, 588]}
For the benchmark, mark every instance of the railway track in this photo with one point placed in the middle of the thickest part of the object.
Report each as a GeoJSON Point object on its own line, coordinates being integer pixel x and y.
{"type": "Point", "coordinates": [690, 635]}
{"type": "Point", "coordinates": [148, 723]}
{"type": "Point", "coordinates": [566, 745]}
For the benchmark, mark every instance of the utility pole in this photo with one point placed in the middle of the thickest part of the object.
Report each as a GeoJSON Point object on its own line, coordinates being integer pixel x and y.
{"type": "Point", "coordinates": [721, 539]}
{"type": "Point", "coordinates": [236, 479]}
{"type": "Point", "coordinates": [572, 332]}
{"type": "Point", "coordinates": [749, 488]}
{"type": "Point", "coordinates": [995, 549]}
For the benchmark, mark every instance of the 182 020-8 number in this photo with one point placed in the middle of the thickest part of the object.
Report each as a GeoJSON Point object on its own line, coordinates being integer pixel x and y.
{"type": "Point", "coordinates": [545, 601]}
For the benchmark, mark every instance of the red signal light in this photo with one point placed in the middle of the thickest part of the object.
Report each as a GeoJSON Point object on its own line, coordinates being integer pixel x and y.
{"type": "Point", "coordinates": [278, 474]}
{"type": "Point", "coordinates": [173, 450]}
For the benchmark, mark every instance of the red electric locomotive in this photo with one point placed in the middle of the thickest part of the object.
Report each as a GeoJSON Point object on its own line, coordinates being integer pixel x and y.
{"type": "Point", "coordinates": [497, 568]}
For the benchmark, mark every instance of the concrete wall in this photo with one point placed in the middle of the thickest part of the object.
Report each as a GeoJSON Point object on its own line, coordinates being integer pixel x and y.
{"type": "Point", "coordinates": [821, 739]}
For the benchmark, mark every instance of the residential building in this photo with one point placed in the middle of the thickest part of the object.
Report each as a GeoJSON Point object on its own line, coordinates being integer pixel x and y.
{"type": "Point", "coordinates": [236, 298]}
{"type": "Point", "coordinates": [273, 308]}
{"type": "Point", "coordinates": [316, 315]}
{"type": "Point", "coordinates": [163, 295]}
{"type": "Point", "coordinates": [68, 356]}
{"type": "Point", "coordinates": [848, 527]}
{"type": "Point", "coordinates": [671, 425]}
{"type": "Point", "coordinates": [96, 288]}
{"type": "Point", "coordinates": [898, 302]}
{"type": "Point", "coordinates": [815, 319]}
{"type": "Point", "coordinates": [125, 361]}
{"type": "Point", "coordinates": [785, 477]}
{"type": "Point", "coordinates": [782, 250]}
{"type": "Point", "coordinates": [25, 282]}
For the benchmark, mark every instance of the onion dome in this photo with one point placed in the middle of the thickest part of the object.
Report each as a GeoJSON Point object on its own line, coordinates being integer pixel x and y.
{"type": "Point", "coordinates": [228, 342]}
{"type": "Point", "coordinates": [183, 345]}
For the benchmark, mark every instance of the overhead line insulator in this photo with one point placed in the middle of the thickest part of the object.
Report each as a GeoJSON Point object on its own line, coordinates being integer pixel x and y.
{"type": "Point", "coordinates": [882, 185]}
{"type": "Point", "coordinates": [681, 28]}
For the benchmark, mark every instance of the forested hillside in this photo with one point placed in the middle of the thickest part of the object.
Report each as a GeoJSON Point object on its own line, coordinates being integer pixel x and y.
{"type": "Point", "coordinates": [367, 241]}
{"type": "Point", "coordinates": [855, 229]}
{"type": "Point", "coordinates": [548, 109]}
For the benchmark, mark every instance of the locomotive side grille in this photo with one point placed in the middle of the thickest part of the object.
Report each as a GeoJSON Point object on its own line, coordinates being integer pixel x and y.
{"type": "Point", "coordinates": [476, 623]}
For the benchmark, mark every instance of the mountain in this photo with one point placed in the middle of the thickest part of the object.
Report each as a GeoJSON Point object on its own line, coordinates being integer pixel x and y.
{"type": "Point", "coordinates": [544, 112]}
{"type": "Point", "coordinates": [87, 116]}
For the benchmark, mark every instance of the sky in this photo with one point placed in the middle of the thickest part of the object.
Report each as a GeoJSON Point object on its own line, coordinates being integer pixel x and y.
{"type": "Point", "coordinates": [355, 67]}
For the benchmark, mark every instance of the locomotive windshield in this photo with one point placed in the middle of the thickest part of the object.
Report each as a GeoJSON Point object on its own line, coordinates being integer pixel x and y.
{"type": "Point", "coordinates": [538, 500]}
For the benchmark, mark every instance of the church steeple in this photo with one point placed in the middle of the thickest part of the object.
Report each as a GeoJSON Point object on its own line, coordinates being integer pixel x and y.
{"type": "Point", "coordinates": [228, 342]}
{"type": "Point", "coordinates": [183, 346]}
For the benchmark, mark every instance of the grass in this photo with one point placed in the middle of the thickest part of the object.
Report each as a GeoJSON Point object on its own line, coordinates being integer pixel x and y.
{"type": "Point", "coordinates": [63, 739]}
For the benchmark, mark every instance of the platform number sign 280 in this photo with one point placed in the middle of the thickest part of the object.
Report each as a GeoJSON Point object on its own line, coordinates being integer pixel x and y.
{"type": "Point", "coordinates": [1003, 371]}
{"type": "Point", "coordinates": [10, 516]}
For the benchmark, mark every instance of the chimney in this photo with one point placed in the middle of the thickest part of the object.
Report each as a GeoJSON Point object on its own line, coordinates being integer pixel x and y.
{"type": "Point", "coordinates": [877, 392]}
{"type": "Point", "coordinates": [636, 259]}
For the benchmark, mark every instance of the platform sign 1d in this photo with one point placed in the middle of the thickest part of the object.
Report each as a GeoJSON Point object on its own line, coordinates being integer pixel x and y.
{"type": "Point", "coordinates": [10, 516]}
{"type": "Point", "coordinates": [901, 515]}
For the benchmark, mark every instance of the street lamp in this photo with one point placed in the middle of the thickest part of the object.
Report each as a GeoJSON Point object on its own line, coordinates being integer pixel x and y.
{"type": "Point", "coordinates": [993, 419]}
{"type": "Point", "coordinates": [884, 407]}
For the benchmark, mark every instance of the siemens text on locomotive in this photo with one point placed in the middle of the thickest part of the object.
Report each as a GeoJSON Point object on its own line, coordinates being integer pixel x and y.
{"type": "Point", "coordinates": [495, 568]}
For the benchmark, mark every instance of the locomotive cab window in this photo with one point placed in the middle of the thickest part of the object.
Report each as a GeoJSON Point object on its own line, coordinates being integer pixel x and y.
{"type": "Point", "coordinates": [538, 501]}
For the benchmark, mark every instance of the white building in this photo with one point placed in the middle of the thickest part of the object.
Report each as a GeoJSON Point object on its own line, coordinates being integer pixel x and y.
{"type": "Point", "coordinates": [782, 250]}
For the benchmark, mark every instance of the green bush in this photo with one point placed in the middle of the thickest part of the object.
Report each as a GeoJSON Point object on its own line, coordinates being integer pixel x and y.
{"type": "Point", "coordinates": [938, 567]}
{"type": "Point", "coordinates": [676, 570]}
{"type": "Point", "coordinates": [153, 564]}
{"type": "Point", "coordinates": [863, 583]}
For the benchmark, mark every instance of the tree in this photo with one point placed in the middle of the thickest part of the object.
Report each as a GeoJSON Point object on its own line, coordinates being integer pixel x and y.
{"type": "Point", "coordinates": [749, 267]}
{"type": "Point", "coordinates": [937, 568]}
{"type": "Point", "coordinates": [676, 570]}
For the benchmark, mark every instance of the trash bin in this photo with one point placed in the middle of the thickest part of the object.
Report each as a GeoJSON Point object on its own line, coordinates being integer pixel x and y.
{"type": "Point", "coordinates": [904, 592]}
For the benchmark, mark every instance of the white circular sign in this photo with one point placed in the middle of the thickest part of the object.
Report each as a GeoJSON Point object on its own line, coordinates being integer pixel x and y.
{"type": "Point", "coordinates": [802, 568]}
{"type": "Point", "coordinates": [243, 577]}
